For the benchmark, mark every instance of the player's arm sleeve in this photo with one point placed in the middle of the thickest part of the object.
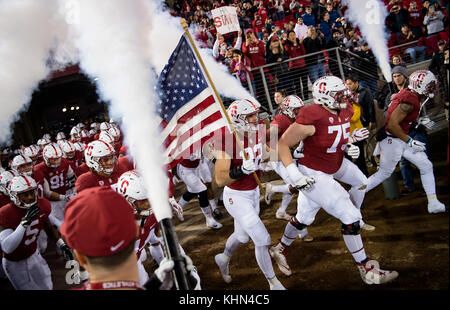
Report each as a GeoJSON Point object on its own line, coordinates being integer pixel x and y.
{"type": "Point", "coordinates": [10, 239]}
{"type": "Point", "coordinates": [215, 50]}
{"type": "Point", "coordinates": [238, 44]}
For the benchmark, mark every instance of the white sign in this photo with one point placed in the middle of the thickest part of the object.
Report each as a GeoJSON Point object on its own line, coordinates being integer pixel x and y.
{"type": "Point", "coordinates": [225, 19]}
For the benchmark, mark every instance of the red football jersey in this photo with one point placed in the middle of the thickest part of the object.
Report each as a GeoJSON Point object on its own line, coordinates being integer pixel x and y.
{"type": "Point", "coordinates": [77, 161]}
{"type": "Point", "coordinates": [92, 179]}
{"type": "Point", "coordinates": [282, 122]}
{"type": "Point", "coordinates": [39, 178]}
{"type": "Point", "coordinates": [11, 216]}
{"type": "Point", "coordinates": [144, 231]}
{"type": "Point", "coordinates": [4, 200]}
{"type": "Point", "coordinates": [126, 163]}
{"type": "Point", "coordinates": [56, 178]}
{"type": "Point", "coordinates": [324, 151]}
{"type": "Point", "coordinates": [81, 169]}
{"type": "Point", "coordinates": [252, 146]}
{"type": "Point", "coordinates": [404, 96]}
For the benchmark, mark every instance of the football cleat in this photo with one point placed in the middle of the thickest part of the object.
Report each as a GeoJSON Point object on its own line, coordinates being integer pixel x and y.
{"type": "Point", "coordinates": [368, 227]}
{"type": "Point", "coordinates": [278, 253]}
{"type": "Point", "coordinates": [177, 209]}
{"type": "Point", "coordinates": [268, 193]}
{"type": "Point", "coordinates": [223, 267]}
{"type": "Point", "coordinates": [282, 216]}
{"type": "Point", "coordinates": [435, 206]}
{"type": "Point", "coordinates": [275, 285]}
{"type": "Point", "coordinates": [372, 274]}
{"type": "Point", "coordinates": [212, 223]}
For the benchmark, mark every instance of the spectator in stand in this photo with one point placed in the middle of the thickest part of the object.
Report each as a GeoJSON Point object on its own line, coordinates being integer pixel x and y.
{"type": "Point", "coordinates": [397, 17]}
{"type": "Point", "coordinates": [320, 9]}
{"type": "Point", "coordinates": [335, 18]}
{"type": "Point", "coordinates": [351, 40]}
{"type": "Point", "coordinates": [297, 68]}
{"type": "Point", "coordinates": [301, 30]}
{"type": "Point", "coordinates": [325, 26]}
{"type": "Point", "coordinates": [255, 50]}
{"type": "Point", "coordinates": [240, 65]}
{"type": "Point", "coordinates": [308, 17]}
{"type": "Point", "coordinates": [258, 26]}
{"type": "Point", "coordinates": [294, 7]}
{"type": "Point", "coordinates": [314, 43]}
{"type": "Point", "coordinates": [440, 67]}
{"type": "Point", "coordinates": [408, 36]}
{"type": "Point", "coordinates": [222, 52]}
{"type": "Point", "coordinates": [335, 41]}
{"type": "Point", "coordinates": [370, 67]}
{"type": "Point", "coordinates": [279, 6]}
{"type": "Point", "coordinates": [434, 20]}
{"type": "Point", "coordinates": [277, 55]}
{"type": "Point", "coordinates": [269, 25]}
{"type": "Point", "coordinates": [262, 12]}
{"type": "Point", "coordinates": [278, 97]}
{"type": "Point", "coordinates": [203, 35]}
{"type": "Point", "coordinates": [397, 60]}
{"type": "Point", "coordinates": [415, 19]}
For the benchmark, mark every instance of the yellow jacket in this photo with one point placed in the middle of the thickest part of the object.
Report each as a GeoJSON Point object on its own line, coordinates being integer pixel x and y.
{"type": "Point", "coordinates": [355, 121]}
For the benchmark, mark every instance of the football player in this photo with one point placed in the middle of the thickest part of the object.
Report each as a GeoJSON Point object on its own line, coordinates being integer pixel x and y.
{"type": "Point", "coordinates": [324, 129]}
{"type": "Point", "coordinates": [21, 222]}
{"type": "Point", "coordinates": [241, 192]}
{"type": "Point", "coordinates": [395, 144]}
{"type": "Point", "coordinates": [58, 180]}
{"type": "Point", "coordinates": [130, 185]}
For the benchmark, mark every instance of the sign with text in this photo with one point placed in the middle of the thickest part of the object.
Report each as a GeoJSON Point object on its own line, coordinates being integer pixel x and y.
{"type": "Point", "coordinates": [225, 19]}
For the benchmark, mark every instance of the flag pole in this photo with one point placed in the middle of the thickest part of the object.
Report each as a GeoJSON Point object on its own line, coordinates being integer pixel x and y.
{"type": "Point", "coordinates": [186, 30]}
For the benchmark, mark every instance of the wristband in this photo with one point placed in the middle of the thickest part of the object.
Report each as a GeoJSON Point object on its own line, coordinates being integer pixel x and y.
{"type": "Point", "coordinates": [60, 242]}
{"type": "Point", "coordinates": [293, 172]}
{"type": "Point", "coordinates": [409, 140]}
{"type": "Point", "coordinates": [236, 173]}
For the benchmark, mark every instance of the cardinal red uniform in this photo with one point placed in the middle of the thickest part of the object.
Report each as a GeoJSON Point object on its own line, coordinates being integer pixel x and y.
{"type": "Point", "coordinates": [404, 96]}
{"type": "Point", "coordinates": [282, 122]}
{"type": "Point", "coordinates": [324, 151]}
{"type": "Point", "coordinates": [25, 267]}
{"type": "Point", "coordinates": [92, 179]}
{"type": "Point", "coordinates": [56, 178]}
{"type": "Point", "coordinates": [4, 200]}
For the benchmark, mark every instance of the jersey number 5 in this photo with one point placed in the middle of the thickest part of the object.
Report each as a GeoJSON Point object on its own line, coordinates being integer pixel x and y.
{"type": "Point", "coordinates": [342, 130]}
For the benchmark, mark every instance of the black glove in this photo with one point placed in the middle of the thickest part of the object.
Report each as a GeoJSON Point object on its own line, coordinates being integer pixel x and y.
{"type": "Point", "coordinates": [32, 212]}
{"type": "Point", "coordinates": [66, 251]}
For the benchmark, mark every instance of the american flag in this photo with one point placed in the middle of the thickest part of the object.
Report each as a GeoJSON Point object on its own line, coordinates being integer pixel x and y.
{"type": "Point", "coordinates": [190, 114]}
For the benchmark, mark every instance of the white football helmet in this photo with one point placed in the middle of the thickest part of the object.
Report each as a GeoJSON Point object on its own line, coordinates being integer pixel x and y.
{"type": "Point", "coordinates": [75, 134]}
{"type": "Point", "coordinates": [331, 92]}
{"type": "Point", "coordinates": [423, 82]}
{"type": "Point", "coordinates": [68, 149]}
{"type": "Point", "coordinates": [19, 185]}
{"type": "Point", "coordinates": [84, 133]}
{"type": "Point", "coordinates": [115, 133]}
{"type": "Point", "coordinates": [52, 155]}
{"type": "Point", "coordinates": [47, 137]}
{"type": "Point", "coordinates": [289, 104]}
{"type": "Point", "coordinates": [104, 126]}
{"type": "Point", "coordinates": [94, 126]}
{"type": "Point", "coordinates": [42, 143]}
{"type": "Point", "coordinates": [60, 136]}
{"type": "Point", "coordinates": [80, 125]}
{"type": "Point", "coordinates": [95, 151]}
{"type": "Point", "coordinates": [22, 165]}
{"type": "Point", "coordinates": [107, 137]}
{"type": "Point", "coordinates": [239, 110]}
{"type": "Point", "coordinates": [32, 152]}
{"type": "Point", "coordinates": [92, 132]}
{"type": "Point", "coordinates": [5, 179]}
{"type": "Point", "coordinates": [131, 186]}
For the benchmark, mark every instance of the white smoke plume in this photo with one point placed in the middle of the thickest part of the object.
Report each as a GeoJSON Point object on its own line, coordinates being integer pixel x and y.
{"type": "Point", "coordinates": [114, 47]}
{"type": "Point", "coordinates": [166, 32]}
{"type": "Point", "coordinates": [370, 16]}
{"type": "Point", "coordinates": [27, 34]}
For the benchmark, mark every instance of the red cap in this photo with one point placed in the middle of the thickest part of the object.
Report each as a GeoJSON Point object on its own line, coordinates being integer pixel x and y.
{"type": "Point", "coordinates": [98, 222]}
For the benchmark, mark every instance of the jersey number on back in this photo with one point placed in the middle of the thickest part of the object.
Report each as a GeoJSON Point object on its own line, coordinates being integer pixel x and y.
{"type": "Point", "coordinates": [342, 130]}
